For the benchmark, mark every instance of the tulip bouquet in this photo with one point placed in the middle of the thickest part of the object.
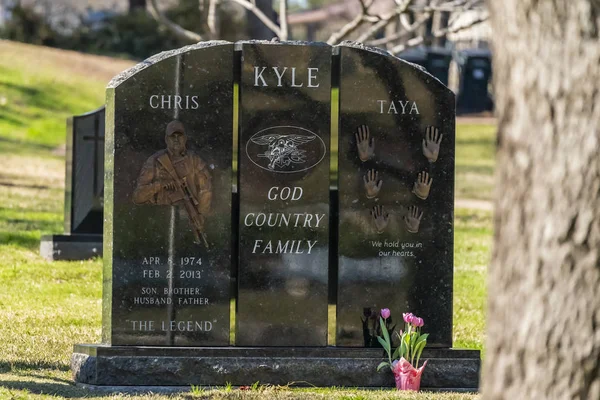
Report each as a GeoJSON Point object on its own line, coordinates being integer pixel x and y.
{"type": "Point", "coordinates": [404, 360]}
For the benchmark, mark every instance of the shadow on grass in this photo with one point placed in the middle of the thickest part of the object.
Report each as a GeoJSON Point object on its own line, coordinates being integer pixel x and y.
{"type": "Point", "coordinates": [26, 147]}
{"type": "Point", "coordinates": [27, 240]}
{"type": "Point", "coordinates": [5, 115]}
{"type": "Point", "coordinates": [45, 95]}
{"type": "Point", "coordinates": [69, 391]}
{"type": "Point", "coordinates": [6, 366]}
{"type": "Point", "coordinates": [65, 389]}
{"type": "Point", "coordinates": [31, 370]}
{"type": "Point", "coordinates": [20, 185]}
{"type": "Point", "coordinates": [4, 141]}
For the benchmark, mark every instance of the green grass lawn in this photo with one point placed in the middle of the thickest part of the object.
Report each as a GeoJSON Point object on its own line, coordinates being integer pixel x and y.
{"type": "Point", "coordinates": [47, 307]}
{"type": "Point", "coordinates": [475, 151]}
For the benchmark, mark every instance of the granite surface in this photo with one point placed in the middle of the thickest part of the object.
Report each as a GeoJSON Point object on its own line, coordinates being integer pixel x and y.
{"type": "Point", "coordinates": [396, 197]}
{"type": "Point", "coordinates": [285, 91]}
{"type": "Point", "coordinates": [160, 366]}
{"type": "Point", "coordinates": [168, 241]}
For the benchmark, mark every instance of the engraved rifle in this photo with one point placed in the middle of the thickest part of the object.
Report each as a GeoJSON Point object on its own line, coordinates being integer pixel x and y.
{"type": "Point", "coordinates": [189, 201]}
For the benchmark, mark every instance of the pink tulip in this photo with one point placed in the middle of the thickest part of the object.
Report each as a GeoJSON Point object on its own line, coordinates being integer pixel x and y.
{"type": "Point", "coordinates": [385, 313]}
{"type": "Point", "coordinates": [408, 317]}
{"type": "Point", "coordinates": [418, 322]}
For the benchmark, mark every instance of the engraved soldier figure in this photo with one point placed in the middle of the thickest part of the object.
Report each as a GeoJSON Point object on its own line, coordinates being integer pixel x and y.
{"type": "Point", "coordinates": [176, 176]}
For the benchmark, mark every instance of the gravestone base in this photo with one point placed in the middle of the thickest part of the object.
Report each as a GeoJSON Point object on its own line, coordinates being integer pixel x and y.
{"type": "Point", "coordinates": [70, 247]}
{"type": "Point", "coordinates": [98, 366]}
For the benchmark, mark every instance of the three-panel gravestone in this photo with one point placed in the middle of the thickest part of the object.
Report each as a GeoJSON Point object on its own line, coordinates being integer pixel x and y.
{"type": "Point", "coordinates": [263, 201]}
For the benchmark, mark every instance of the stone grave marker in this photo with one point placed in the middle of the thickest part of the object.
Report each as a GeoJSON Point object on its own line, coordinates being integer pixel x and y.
{"type": "Point", "coordinates": [179, 251]}
{"type": "Point", "coordinates": [168, 200]}
{"type": "Point", "coordinates": [285, 107]}
{"type": "Point", "coordinates": [396, 196]}
{"type": "Point", "coordinates": [84, 191]}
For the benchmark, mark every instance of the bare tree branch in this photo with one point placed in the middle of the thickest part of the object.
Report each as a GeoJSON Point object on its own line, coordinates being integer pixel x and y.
{"type": "Point", "coordinates": [354, 24]}
{"type": "Point", "coordinates": [424, 9]}
{"type": "Point", "coordinates": [181, 32]}
{"type": "Point", "coordinates": [283, 24]}
{"type": "Point", "coordinates": [346, 30]}
{"type": "Point", "coordinates": [251, 6]}
{"type": "Point", "coordinates": [401, 9]}
{"type": "Point", "coordinates": [213, 25]}
{"type": "Point", "coordinates": [442, 32]}
{"type": "Point", "coordinates": [408, 29]}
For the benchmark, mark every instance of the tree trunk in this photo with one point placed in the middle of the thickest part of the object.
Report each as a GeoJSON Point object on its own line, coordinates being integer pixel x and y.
{"type": "Point", "coordinates": [256, 29]}
{"type": "Point", "coordinates": [543, 335]}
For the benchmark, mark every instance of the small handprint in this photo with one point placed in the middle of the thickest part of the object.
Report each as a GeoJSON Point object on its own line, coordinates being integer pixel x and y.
{"type": "Point", "coordinates": [431, 144]}
{"type": "Point", "coordinates": [372, 183]}
{"type": "Point", "coordinates": [422, 185]}
{"type": "Point", "coordinates": [413, 219]}
{"type": "Point", "coordinates": [380, 217]}
{"type": "Point", "coordinates": [364, 143]}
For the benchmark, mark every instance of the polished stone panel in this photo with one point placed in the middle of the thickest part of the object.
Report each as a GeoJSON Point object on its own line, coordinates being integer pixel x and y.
{"type": "Point", "coordinates": [396, 192]}
{"type": "Point", "coordinates": [285, 105]}
{"type": "Point", "coordinates": [168, 235]}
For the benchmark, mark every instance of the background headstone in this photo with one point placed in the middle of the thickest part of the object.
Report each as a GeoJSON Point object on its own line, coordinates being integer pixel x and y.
{"type": "Point", "coordinates": [285, 114]}
{"type": "Point", "coordinates": [165, 285]}
{"type": "Point", "coordinates": [395, 249]}
{"type": "Point", "coordinates": [84, 188]}
{"type": "Point", "coordinates": [84, 191]}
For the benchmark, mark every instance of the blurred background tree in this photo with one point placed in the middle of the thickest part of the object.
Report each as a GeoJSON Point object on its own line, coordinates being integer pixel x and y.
{"type": "Point", "coordinates": [140, 28]}
{"type": "Point", "coordinates": [543, 335]}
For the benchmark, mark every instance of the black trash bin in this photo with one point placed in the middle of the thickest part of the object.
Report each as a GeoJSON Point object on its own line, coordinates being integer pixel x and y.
{"type": "Point", "coordinates": [416, 55]}
{"type": "Point", "coordinates": [475, 74]}
{"type": "Point", "coordinates": [436, 60]}
{"type": "Point", "coordinates": [438, 63]}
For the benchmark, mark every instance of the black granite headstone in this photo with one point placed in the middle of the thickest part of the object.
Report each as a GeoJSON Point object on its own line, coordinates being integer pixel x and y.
{"type": "Point", "coordinates": [170, 221]}
{"type": "Point", "coordinates": [285, 113]}
{"type": "Point", "coordinates": [396, 184]}
{"type": "Point", "coordinates": [84, 191]}
{"type": "Point", "coordinates": [167, 237]}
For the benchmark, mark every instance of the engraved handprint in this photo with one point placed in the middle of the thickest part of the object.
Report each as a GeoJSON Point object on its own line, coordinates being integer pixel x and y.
{"type": "Point", "coordinates": [422, 185]}
{"type": "Point", "coordinates": [413, 219]}
{"type": "Point", "coordinates": [380, 217]}
{"type": "Point", "coordinates": [364, 143]}
{"type": "Point", "coordinates": [372, 183]}
{"type": "Point", "coordinates": [431, 144]}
